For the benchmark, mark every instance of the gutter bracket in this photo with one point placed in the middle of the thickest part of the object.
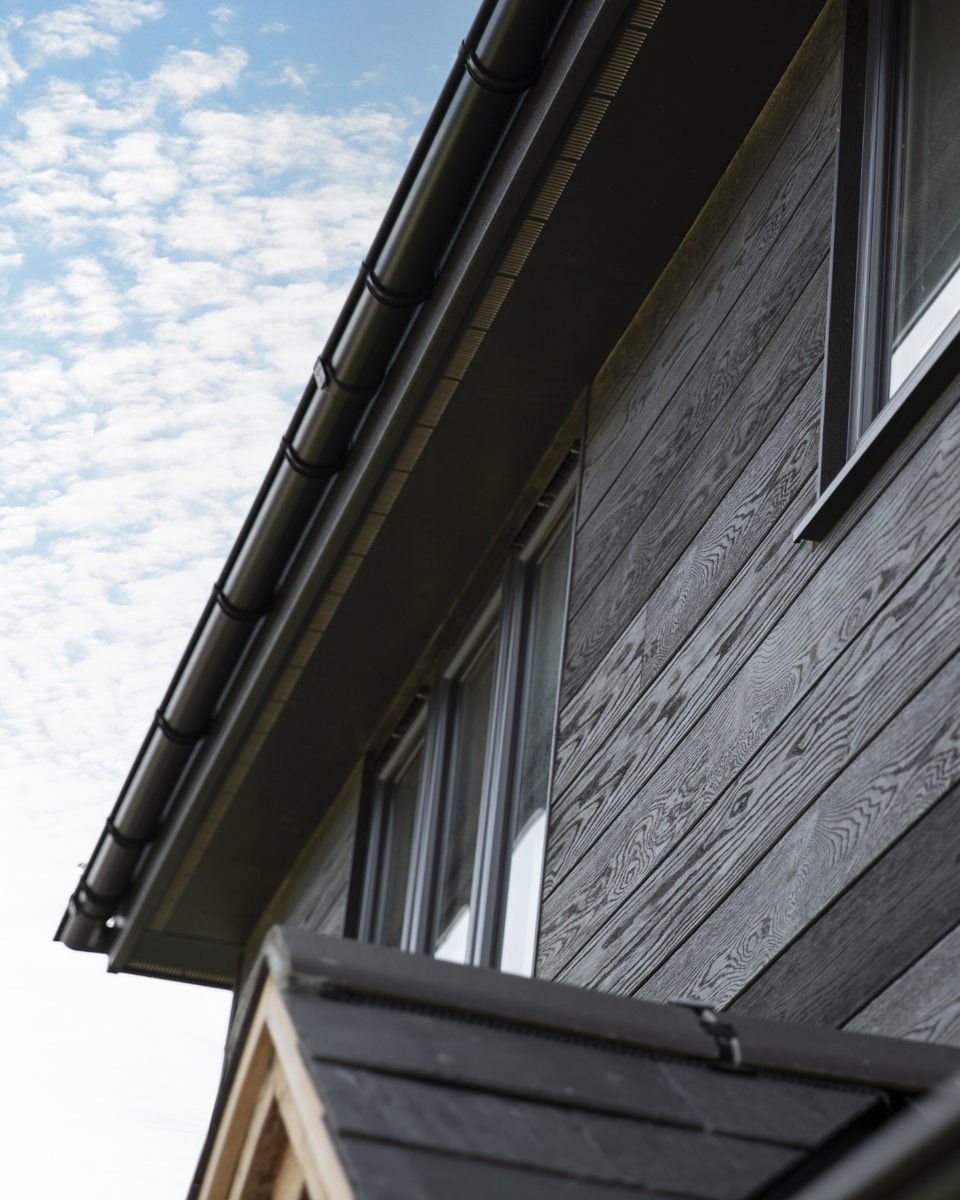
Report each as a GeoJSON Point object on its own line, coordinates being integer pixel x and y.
{"type": "Point", "coordinates": [722, 1032]}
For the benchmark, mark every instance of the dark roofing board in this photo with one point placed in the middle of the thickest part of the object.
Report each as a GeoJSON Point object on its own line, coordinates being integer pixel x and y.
{"type": "Point", "coordinates": [443, 1080]}
{"type": "Point", "coordinates": [414, 1083]}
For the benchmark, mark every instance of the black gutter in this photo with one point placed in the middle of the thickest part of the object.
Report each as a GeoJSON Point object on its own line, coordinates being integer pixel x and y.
{"type": "Point", "coordinates": [915, 1157]}
{"type": "Point", "coordinates": [499, 61]}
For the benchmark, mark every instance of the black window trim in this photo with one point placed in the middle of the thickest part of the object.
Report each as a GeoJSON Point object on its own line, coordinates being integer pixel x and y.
{"type": "Point", "coordinates": [868, 113]}
{"type": "Point", "coordinates": [505, 617]}
{"type": "Point", "coordinates": [375, 842]}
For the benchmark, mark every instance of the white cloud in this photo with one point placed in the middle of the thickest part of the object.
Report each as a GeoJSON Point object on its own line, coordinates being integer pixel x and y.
{"type": "Point", "coordinates": [80, 29]}
{"type": "Point", "coordinates": [291, 75]}
{"type": "Point", "coordinates": [189, 74]}
{"type": "Point", "coordinates": [171, 266]}
{"type": "Point", "coordinates": [274, 27]}
{"type": "Point", "coordinates": [368, 77]}
{"type": "Point", "coordinates": [222, 16]}
{"type": "Point", "coordinates": [11, 72]}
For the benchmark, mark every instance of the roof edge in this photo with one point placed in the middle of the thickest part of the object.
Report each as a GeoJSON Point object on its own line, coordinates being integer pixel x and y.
{"type": "Point", "coordinates": [303, 961]}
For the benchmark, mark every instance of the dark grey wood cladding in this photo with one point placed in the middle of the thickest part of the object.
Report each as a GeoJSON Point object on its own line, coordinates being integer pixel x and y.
{"type": "Point", "coordinates": [758, 743]}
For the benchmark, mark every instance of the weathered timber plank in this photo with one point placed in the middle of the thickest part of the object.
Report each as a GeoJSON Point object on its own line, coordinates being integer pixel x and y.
{"type": "Point", "coordinates": [577, 816]}
{"type": "Point", "coordinates": [924, 1003]}
{"type": "Point", "coordinates": [653, 723]}
{"type": "Point", "coordinates": [766, 214]}
{"type": "Point", "coordinates": [654, 727]}
{"type": "Point", "coordinates": [644, 821]}
{"type": "Point", "coordinates": [741, 522]}
{"type": "Point", "coordinates": [698, 406]}
{"type": "Point", "coordinates": [586, 1145]}
{"type": "Point", "coordinates": [746, 170]}
{"type": "Point", "coordinates": [875, 799]}
{"type": "Point", "coordinates": [874, 932]}
{"type": "Point", "coordinates": [696, 487]}
{"type": "Point", "coordinates": [891, 656]}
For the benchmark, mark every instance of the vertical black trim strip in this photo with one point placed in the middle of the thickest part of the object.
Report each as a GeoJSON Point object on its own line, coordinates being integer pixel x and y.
{"type": "Point", "coordinates": [838, 366]}
{"type": "Point", "coordinates": [487, 893]}
{"type": "Point", "coordinates": [418, 916]}
{"type": "Point", "coordinates": [364, 841]}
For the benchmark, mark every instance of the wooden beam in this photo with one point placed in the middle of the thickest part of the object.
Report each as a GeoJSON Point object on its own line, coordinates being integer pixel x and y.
{"type": "Point", "coordinates": [272, 1078]}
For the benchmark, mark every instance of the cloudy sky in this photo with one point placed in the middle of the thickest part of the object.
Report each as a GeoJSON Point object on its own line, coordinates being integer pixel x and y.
{"type": "Point", "coordinates": [185, 194]}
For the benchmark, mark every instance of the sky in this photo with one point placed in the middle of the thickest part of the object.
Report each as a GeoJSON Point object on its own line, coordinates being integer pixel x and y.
{"type": "Point", "coordinates": [186, 193]}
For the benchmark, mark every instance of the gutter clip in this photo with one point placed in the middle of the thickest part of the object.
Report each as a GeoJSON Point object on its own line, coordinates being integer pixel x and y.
{"type": "Point", "coordinates": [722, 1032]}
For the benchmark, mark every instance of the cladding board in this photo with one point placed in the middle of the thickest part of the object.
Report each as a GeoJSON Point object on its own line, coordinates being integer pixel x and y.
{"type": "Point", "coordinates": [844, 959]}
{"type": "Point", "coordinates": [755, 736]}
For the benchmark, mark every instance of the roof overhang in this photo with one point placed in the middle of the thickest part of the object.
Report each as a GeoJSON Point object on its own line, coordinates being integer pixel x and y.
{"type": "Point", "coordinates": [242, 815]}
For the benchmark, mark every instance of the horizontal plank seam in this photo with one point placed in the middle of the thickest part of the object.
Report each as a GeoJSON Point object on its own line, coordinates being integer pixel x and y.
{"type": "Point", "coordinates": [761, 549]}
{"type": "Point", "coordinates": [715, 339]}
{"type": "Point", "coordinates": [827, 550]}
{"type": "Point", "coordinates": [891, 982]}
{"type": "Point", "coordinates": [845, 890]}
{"type": "Point", "coordinates": [707, 264]}
{"type": "Point", "coordinates": [760, 746]}
{"type": "Point", "coordinates": [646, 684]}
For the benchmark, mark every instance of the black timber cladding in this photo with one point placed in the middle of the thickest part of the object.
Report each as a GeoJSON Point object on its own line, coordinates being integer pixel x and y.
{"type": "Point", "coordinates": [439, 1079]}
{"type": "Point", "coordinates": [758, 741]}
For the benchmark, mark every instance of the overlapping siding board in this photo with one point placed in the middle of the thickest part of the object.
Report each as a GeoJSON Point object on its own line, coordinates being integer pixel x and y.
{"type": "Point", "coordinates": [758, 739]}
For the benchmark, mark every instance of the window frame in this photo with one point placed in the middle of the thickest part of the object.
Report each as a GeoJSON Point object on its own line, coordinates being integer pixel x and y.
{"type": "Point", "coordinates": [505, 616]}
{"type": "Point", "coordinates": [862, 263]}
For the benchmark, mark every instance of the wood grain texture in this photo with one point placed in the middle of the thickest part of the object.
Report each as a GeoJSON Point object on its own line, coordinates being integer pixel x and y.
{"type": "Point", "coordinates": [615, 728]}
{"type": "Point", "coordinates": [924, 1003]}
{"type": "Point", "coordinates": [891, 657]}
{"type": "Point", "coordinates": [693, 487]}
{"type": "Point", "coordinates": [697, 408]}
{"type": "Point", "coordinates": [872, 933]}
{"type": "Point", "coordinates": [766, 214]}
{"type": "Point", "coordinates": [713, 560]}
{"type": "Point", "coordinates": [646, 821]}
{"type": "Point", "coordinates": [890, 785]}
{"type": "Point", "coordinates": [746, 170]}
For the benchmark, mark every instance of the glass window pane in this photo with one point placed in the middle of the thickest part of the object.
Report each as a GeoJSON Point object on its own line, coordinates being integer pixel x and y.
{"type": "Point", "coordinates": [398, 839]}
{"type": "Point", "coordinates": [466, 782]}
{"type": "Point", "coordinates": [545, 641]}
{"type": "Point", "coordinates": [928, 250]}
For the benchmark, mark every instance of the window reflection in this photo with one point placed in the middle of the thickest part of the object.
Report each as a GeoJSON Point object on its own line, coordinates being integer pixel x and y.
{"type": "Point", "coordinates": [542, 677]}
{"type": "Point", "coordinates": [472, 718]}
{"type": "Point", "coordinates": [928, 245]}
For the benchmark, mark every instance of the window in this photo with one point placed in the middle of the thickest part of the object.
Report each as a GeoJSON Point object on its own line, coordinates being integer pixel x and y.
{"type": "Point", "coordinates": [459, 820]}
{"type": "Point", "coordinates": [894, 322]}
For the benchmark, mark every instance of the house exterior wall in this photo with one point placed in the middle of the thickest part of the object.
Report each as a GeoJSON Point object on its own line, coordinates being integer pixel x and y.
{"type": "Point", "coordinates": [314, 894]}
{"type": "Point", "coordinates": [759, 740]}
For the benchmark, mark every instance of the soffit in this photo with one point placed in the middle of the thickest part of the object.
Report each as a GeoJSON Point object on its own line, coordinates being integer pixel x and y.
{"type": "Point", "coordinates": [699, 82]}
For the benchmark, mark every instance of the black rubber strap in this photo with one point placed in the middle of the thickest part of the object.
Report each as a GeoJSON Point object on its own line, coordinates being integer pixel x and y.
{"type": "Point", "coordinates": [83, 894]}
{"type": "Point", "coordinates": [498, 83]}
{"type": "Point", "coordinates": [127, 843]}
{"type": "Point", "coordinates": [329, 377]}
{"type": "Point", "coordinates": [380, 291]}
{"type": "Point", "coordinates": [311, 470]}
{"type": "Point", "coordinates": [175, 735]}
{"type": "Point", "coordinates": [722, 1032]}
